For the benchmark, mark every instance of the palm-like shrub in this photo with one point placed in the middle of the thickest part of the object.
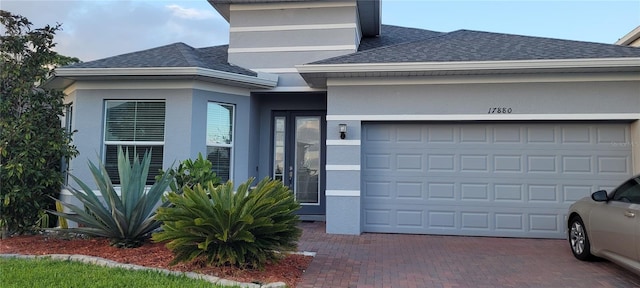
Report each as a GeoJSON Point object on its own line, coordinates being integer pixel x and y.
{"type": "Point", "coordinates": [127, 220]}
{"type": "Point", "coordinates": [245, 228]}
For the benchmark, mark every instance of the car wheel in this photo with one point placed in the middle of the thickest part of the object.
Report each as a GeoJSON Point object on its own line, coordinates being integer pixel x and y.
{"type": "Point", "coordinates": [579, 240]}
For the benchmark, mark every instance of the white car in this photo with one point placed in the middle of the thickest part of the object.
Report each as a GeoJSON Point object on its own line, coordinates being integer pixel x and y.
{"type": "Point", "coordinates": [607, 225]}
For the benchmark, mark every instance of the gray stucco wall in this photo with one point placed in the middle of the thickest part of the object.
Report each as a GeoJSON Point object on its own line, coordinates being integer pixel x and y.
{"type": "Point", "coordinates": [241, 131]}
{"type": "Point", "coordinates": [523, 98]}
{"type": "Point", "coordinates": [269, 37]}
{"type": "Point", "coordinates": [370, 100]}
{"type": "Point", "coordinates": [185, 125]}
{"type": "Point", "coordinates": [89, 121]}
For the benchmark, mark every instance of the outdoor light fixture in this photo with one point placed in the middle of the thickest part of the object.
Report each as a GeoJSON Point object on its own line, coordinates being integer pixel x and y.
{"type": "Point", "coordinates": [343, 130]}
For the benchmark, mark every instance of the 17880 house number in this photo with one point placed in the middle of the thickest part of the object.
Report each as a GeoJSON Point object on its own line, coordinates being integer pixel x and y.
{"type": "Point", "coordinates": [500, 110]}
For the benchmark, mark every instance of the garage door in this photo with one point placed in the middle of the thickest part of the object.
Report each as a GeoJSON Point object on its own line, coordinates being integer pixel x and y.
{"type": "Point", "coordinates": [486, 179]}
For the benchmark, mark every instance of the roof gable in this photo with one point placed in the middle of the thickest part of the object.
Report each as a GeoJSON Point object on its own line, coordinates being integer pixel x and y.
{"type": "Point", "coordinates": [172, 55]}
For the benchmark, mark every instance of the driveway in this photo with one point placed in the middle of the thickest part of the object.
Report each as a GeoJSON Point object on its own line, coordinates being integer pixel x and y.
{"type": "Point", "coordinates": [395, 260]}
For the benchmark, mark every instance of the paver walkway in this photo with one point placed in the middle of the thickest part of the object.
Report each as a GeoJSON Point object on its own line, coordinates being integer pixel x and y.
{"type": "Point", "coordinates": [396, 260]}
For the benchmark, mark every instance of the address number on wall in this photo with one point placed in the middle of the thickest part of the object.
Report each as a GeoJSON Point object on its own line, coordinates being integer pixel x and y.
{"type": "Point", "coordinates": [500, 110]}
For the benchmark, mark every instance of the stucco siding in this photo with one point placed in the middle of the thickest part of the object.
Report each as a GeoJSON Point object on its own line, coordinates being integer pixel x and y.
{"type": "Point", "coordinates": [262, 36]}
{"type": "Point", "coordinates": [241, 127]}
{"type": "Point", "coordinates": [357, 102]}
{"type": "Point", "coordinates": [523, 98]}
{"type": "Point", "coordinates": [89, 121]}
{"type": "Point", "coordinates": [259, 16]}
{"type": "Point", "coordinates": [282, 59]}
{"type": "Point", "coordinates": [293, 38]}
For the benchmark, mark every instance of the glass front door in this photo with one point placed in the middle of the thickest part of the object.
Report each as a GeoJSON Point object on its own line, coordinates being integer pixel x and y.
{"type": "Point", "coordinates": [298, 157]}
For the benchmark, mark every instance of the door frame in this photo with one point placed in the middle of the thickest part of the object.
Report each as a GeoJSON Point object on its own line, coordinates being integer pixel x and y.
{"type": "Point", "coordinates": [308, 211]}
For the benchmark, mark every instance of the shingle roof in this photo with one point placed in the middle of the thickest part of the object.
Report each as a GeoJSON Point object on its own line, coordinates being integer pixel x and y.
{"type": "Point", "coordinates": [392, 35]}
{"type": "Point", "coordinates": [172, 55]}
{"type": "Point", "coordinates": [467, 45]}
{"type": "Point", "coordinates": [395, 45]}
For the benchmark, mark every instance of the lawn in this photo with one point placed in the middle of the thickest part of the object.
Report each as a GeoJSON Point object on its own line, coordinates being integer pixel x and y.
{"type": "Point", "coordinates": [53, 273]}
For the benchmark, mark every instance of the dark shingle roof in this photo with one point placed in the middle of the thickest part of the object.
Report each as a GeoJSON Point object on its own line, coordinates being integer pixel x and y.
{"type": "Point", "coordinates": [392, 35]}
{"type": "Point", "coordinates": [466, 45]}
{"type": "Point", "coordinates": [172, 55]}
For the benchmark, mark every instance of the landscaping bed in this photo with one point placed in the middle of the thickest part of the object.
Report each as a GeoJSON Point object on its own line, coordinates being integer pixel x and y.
{"type": "Point", "coordinates": [288, 270]}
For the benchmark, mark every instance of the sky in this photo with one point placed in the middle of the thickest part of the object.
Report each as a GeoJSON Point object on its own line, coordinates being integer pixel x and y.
{"type": "Point", "coordinates": [95, 29]}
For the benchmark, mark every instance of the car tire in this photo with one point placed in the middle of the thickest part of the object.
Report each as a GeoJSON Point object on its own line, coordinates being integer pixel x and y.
{"type": "Point", "coordinates": [579, 240]}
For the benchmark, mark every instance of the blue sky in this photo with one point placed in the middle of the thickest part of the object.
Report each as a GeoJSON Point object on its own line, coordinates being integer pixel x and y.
{"type": "Point", "coordinates": [95, 29]}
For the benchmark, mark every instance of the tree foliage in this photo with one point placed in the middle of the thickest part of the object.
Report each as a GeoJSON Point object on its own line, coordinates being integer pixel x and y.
{"type": "Point", "coordinates": [192, 172]}
{"type": "Point", "coordinates": [32, 141]}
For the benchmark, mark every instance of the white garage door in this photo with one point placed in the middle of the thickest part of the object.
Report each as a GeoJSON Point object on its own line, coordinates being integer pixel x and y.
{"type": "Point", "coordinates": [486, 179]}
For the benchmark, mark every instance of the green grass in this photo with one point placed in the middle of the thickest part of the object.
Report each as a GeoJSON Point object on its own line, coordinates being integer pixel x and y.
{"type": "Point", "coordinates": [53, 273]}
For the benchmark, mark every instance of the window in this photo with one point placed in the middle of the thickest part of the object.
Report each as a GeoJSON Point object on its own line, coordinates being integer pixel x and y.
{"type": "Point", "coordinates": [136, 126]}
{"type": "Point", "coordinates": [628, 192]}
{"type": "Point", "coordinates": [66, 122]}
{"type": "Point", "coordinates": [220, 138]}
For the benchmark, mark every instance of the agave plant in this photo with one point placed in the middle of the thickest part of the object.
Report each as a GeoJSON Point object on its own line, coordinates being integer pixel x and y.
{"type": "Point", "coordinates": [127, 219]}
{"type": "Point", "coordinates": [243, 227]}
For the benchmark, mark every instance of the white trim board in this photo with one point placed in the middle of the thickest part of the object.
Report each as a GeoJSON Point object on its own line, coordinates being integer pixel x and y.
{"type": "Point", "coordinates": [277, 70]}
{"type": "Point", "coordinates": [484, 79]}
{"type": "Point", "coordinates": [343, 193]}
{"type": "Point", "coordinates": [293, 49]}
{"type": "Point", "coordinates": [293, 5]}
{"type": "Point", "coordinates": [156, 85]}
{"type": "Point", "coordinates": [342, 167]}
{"type": "Point", "coordinates": [343, 142]}
{"type": "Point", "coordinates": [480, 117]}
{"type": "Point", "coordinates": [293, 27]}
{"type": "Point", "coordinates": [630, 62]}
{"type": "Point", "coordinates": [291, 89]}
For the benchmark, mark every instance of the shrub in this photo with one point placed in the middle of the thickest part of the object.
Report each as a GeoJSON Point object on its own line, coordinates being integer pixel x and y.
{"type": "Point", "coordinates": [189, 173]}
{"type": "Point", "coordinates": [128, 219]}
{"type": "Point", "coordinates": [32, 141]}
{"type": "Point", "coordinates": [245, 228]}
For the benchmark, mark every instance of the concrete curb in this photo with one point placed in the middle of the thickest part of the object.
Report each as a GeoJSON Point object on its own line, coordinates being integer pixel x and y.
{"type": "Point", "coordinates": [113, 264]}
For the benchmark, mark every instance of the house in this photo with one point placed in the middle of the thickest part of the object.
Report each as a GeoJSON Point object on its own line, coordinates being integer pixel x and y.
{"type": "Point", "coordinates": [376, 128]}
{"type": "Point", "coordinates": [630, 39]}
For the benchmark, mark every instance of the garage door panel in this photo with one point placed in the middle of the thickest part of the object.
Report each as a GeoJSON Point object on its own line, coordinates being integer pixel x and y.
{"type": "Point", "coordinates": [511, 180]}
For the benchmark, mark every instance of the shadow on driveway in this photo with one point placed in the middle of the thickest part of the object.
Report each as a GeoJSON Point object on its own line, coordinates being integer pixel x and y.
{"type": "Point", "coordinates": [398, 260]}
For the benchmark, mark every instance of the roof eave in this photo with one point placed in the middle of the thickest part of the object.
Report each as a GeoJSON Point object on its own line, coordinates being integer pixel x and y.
{"type": "Point", "coordinates": [316, 74]}
{"type": "Point", "coordinates": [66, 76]}
{"type": "Point", "coordinates": [632, 36]}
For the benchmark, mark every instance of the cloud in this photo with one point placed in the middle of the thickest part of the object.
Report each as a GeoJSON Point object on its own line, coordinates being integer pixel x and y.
{"type": "Point", "coordinates": [190, 13]}
{"type": "Point", "coordinates": [99, 29]}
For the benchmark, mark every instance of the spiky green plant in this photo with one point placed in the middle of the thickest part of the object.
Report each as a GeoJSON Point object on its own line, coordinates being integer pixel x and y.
{"type": "Point", "coordinates": [127, 219]}
{"type": "Point", "coordinates": [244, 227]}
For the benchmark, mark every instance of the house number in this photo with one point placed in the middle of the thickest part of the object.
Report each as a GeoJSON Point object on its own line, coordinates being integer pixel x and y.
{"type": "Point", "coordinates": [500, 110]}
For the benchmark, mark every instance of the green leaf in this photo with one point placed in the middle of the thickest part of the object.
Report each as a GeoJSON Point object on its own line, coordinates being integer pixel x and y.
{"type": "Point", "coordinates": [127, 219]}
{"type": "Point", "coordinates": [230, 226]}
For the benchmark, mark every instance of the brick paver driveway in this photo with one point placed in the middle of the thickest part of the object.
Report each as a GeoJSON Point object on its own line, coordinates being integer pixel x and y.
{"type": "Point", "coordinates": [393, 260]}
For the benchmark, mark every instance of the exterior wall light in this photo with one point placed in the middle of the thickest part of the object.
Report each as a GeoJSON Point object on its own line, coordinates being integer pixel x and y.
{"type": "Point", "coordinates": [343, 130]}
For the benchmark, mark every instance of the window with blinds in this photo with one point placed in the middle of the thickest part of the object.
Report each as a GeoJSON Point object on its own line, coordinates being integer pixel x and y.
{"type": "Point", "coordinates": [136, 126]}
{"type": "Point", "coordinates": [220, 121]}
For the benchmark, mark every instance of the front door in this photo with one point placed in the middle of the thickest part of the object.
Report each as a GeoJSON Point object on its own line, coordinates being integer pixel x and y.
{"type": "Point", "coordinates": [298, 157]}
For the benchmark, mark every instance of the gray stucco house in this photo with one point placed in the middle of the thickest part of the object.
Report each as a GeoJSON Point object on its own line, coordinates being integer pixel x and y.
{"type": "Point", "coordinates": [376, 128]}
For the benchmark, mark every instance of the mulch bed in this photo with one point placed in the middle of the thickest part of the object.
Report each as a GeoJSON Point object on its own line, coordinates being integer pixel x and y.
{"type": "Point", "coordinates": [288, 270]}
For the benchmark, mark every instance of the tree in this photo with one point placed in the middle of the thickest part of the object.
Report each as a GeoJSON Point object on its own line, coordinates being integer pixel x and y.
{"type": "Point", "coordinates": [32, 142]}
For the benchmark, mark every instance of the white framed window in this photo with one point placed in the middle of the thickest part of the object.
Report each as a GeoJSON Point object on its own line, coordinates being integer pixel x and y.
{"type": "Point", "coordinates": [136, 126]}
{"type": "Point", "coordinates": [220, 127]}
{"type": "Point", "coordinates": [66, 121]}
